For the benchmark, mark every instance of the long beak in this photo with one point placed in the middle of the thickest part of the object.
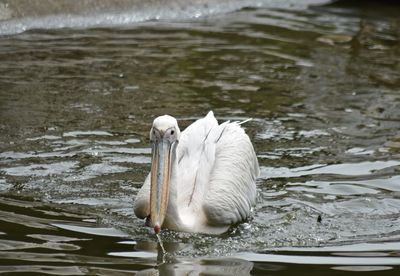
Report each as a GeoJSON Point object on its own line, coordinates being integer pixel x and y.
{"type": "Point", "coordinates": [159, 179]}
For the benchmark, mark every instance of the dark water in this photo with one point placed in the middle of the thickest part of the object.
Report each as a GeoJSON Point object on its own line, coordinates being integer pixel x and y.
{"type": "Point", "coordinates": [77, 97]}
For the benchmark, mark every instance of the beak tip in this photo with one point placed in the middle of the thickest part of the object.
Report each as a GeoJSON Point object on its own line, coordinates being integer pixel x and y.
{"type": "Point", "coordinates": [157, 228]}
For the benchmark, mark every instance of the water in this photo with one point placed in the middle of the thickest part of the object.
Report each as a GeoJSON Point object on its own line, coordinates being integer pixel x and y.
{"type": "Point", "coordinates": [78, 93]}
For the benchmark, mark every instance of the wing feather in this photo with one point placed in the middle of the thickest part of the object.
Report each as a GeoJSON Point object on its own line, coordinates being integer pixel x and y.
{"type": "Point", "coordinates": [193, 137]}
{"type": "Point", "coordinates": [196, 154]}
{"type": "Point", "coordinates": [232, 190]}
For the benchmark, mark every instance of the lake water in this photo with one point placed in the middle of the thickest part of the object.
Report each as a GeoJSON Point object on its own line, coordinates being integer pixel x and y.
{"type": "Point", "coordinates": [80, 86]}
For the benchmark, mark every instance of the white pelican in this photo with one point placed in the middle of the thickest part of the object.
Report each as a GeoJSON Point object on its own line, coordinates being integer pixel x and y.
{"type": "Point", "coordinates": [201, 180]}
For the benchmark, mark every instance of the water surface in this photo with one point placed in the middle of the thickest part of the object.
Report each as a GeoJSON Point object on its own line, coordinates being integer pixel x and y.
{"type": "Point", "coordinates": [77, 98]}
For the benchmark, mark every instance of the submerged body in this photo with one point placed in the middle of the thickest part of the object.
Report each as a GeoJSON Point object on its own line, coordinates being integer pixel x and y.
{"type": "Point", "coordinates": [202, 180]}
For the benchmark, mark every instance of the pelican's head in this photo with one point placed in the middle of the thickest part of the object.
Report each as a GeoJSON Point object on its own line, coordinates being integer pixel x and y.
{"type": "Point", "coordinates": [164, 137]}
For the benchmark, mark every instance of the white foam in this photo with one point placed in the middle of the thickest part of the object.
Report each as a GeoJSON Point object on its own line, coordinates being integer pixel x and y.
{"type": "Point", "coordinates": [17, 18]}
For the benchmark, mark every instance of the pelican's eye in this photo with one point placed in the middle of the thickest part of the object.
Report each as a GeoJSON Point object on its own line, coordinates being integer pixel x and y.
{"type": "Point", "coordinates": [170, 134]}
{"type": "Point", "coordinates": [154, 134]}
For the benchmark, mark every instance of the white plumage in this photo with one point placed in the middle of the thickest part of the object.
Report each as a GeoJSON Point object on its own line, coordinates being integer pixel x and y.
{"type": "Point", "coordinates": [212, 176]}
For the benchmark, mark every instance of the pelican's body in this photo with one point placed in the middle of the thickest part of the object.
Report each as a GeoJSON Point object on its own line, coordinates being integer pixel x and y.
{"type": "Point", "coordinates": [202, 180]}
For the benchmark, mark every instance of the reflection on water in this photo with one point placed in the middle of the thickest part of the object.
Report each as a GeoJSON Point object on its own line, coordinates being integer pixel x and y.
{"type": "Point", "coordinates": [321, 84]}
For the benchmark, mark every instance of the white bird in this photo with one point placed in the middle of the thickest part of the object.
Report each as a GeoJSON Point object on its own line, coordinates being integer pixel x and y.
{"type": "Point", "coordinates": [201, 180]}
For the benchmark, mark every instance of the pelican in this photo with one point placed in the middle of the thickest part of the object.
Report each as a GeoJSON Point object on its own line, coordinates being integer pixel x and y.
{"type": "Point", "coordinates": [201, 180]}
